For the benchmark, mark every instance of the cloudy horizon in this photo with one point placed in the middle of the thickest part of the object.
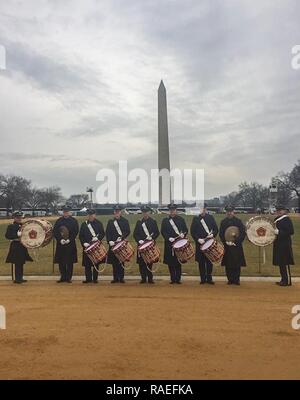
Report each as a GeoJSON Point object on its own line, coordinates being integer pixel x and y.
{"type": "Point", "coordinates": [79, 91]}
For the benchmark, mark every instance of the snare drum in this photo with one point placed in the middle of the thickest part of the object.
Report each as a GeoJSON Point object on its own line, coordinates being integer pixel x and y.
{"type": "Point", "coordinates": [123, 251]}
{"type": "Point", "coordinates": [36, 233]}
{"type": "Point", "coordinates": [213, 250]}
{"type": "Point", "coordinates": [96, 252]}
{"type": "Point", "coordinates": [183, 249]}
{"type": "Point", "coordinates": [149, 252]}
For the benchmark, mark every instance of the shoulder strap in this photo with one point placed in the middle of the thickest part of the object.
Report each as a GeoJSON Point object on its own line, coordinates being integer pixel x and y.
{"type": "Point", "coordinates": [205, 227]}
{"type": "Point", "coordinates": [117, 226]}
{"type": "Point", "coordinates": [145, 229]}
{"type": "Point", "coordinates": [176, 230]}
{"type": "Point", "coordinates": [91, 229]}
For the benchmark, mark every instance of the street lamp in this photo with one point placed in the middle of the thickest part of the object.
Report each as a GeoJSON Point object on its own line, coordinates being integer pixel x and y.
{"type": "Point", "coordinates": [90, 190]}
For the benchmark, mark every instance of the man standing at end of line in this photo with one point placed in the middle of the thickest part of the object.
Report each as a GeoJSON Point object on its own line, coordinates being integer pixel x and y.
{"type": "Point", "coordinates": [17, 254]}
{"type": "Point", "coordinates": [282, 246]}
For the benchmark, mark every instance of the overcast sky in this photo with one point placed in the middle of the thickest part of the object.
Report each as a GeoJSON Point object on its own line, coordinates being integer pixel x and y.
{"type": "Point", "coordinates": [80, 88]}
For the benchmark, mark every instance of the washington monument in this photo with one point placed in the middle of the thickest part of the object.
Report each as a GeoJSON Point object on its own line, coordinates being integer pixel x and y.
{"type": "Point", "coordinates": [163, 146]}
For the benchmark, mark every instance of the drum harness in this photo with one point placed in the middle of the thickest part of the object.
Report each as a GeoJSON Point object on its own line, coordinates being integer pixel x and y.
{"type": "Point", "coordinates": [176, 230]}
{"type": "Point", "coordinates": [118, 229]}
{"type": "Point", "coordinates": [146, 231]}
{"type": "Point", "coordinates": [93, 233]}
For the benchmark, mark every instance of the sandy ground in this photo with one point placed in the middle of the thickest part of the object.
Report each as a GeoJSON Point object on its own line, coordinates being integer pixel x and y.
{"type": "Point", "coordinates": [135, 331]}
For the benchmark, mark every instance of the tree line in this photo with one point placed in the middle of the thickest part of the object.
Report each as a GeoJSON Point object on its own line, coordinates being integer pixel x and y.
{"type": "Point", "coordinates": [284, 189]}
{"type": "Point", "coordinates": [17, 193]}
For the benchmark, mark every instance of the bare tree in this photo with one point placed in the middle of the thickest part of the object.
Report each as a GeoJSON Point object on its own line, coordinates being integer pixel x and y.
{"type": "Point", "coordinates": [253, 195]}
{"type": "Point", "coordinates": [78, 200]}
{"type": "Point", "coordinates": [291, 181]}
{"type": "Point", "coordinates": [34, 199]}
{"type": "Point", "coordinates": [51, 197]}
{"type": "Point", "coordinates": [14, 191]}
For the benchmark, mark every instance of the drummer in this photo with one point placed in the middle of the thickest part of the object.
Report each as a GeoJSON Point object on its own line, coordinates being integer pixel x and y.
{"type": "Point", "coordinates": [117, 230]}
{"type": "Point", "coordinates": [233, 258]}
{"type": "Point", "coordinates": [91, 231]}
{"type": "Point", "coordinates": [146, 229]}
{"type": "Point", "coordinates": [173, 227]}
{"type": "Point", "coordinates": [203, 228]}
{"type": "Point", "coordinates": [17, 254]}
{"type": "Point", "coordinates": [282, 246]}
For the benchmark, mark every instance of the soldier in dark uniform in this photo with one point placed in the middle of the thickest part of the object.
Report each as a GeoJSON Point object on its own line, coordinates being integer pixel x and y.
{"type": "Point", "coordinates": [204, 227]}
{"type": "Point", "coordinates": [173, 227]}
{"type": "Point", "coordinates": [117, 229]}
{"type": "Point", "coordinates": [65, 231]}
{"type": "Point", "coordinates": [17, 254]}
{"type": "Point", "coordinates": [145, 229]}
{"type": "Point", "coordinates": [282, 246]}
{"type": "Point", "coordinates": [90, 231]}
{"type": "Point", "coordinates": [233, 258]}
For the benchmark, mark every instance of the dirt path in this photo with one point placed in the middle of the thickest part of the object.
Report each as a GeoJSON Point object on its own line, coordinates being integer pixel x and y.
{"type": "Point", "coordinates": [134, 331]}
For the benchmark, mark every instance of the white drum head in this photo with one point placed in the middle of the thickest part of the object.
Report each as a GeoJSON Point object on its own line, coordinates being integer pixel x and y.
{"type": "Point", "coordinates": [33, 234]}
{"type": "Point", "coordinates": [116, 246]}
{"type": "Point", "coordinates": [145, 245]}
{"type": "Point", "coordinates": [260, 231]}
{"type": "Point", "coordinates": [180, 243]}
{"type": "Point", "coordinates": [207, 244]}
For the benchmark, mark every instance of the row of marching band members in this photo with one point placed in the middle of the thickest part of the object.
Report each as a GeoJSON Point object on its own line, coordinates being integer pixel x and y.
{"type": "Point", "coordinates": [173, 230]}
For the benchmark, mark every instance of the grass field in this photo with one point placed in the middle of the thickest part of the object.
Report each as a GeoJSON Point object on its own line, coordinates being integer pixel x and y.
{"type": "Point", "coordinates": [43, 257]}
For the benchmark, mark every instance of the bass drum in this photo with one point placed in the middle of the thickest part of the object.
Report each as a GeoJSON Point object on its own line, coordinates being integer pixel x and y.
{"type": "Point", "coordinates": [36, 233]}
{"type": "Point", "coordinates": [260, 231]}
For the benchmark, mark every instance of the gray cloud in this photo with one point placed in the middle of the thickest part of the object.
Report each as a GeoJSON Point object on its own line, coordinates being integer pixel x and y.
{"type": "Point", "coordinates": [80, 89]}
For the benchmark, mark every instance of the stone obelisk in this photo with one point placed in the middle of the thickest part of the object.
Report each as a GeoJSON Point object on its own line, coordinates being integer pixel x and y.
{"type": "Point", "coordinates": [163, 146]}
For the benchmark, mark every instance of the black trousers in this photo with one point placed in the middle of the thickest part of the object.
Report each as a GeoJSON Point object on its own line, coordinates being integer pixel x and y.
{"type": "Point", "coordinates": [19, 272]}
{"type": "Point", "coordinates": [285, 277]}
{"type": "Point", "coordinates": [144, 271]}
{"type": "Point", "coordinates": [66, 272]}
{"type": "Point", "coordinates": [233, 274]}
{"type": "Point", "coordinates": [205, 269]}
{"type": "Point", "coordinates": [118, 271]}
{"type": "Point", "coordinates": [91, 274]}
{"type": "Point", "coordinates": [175, 273]}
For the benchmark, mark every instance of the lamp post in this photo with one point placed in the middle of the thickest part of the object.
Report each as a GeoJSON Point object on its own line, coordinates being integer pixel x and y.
{"type": "Point", "coordinates": [90, 190]}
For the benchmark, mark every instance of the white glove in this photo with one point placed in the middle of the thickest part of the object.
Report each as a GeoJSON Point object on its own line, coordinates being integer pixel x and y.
{"type": "Point", "coordinates": [111, 243]}
{"type": "Point", "coordinates": [201, 241]}
{"type": "Point", "coordinates": [19, 233]}
{"type": "Point", "coordinates": [171, 240]}
{"type": "Point", "coordinates": [119, 239]}
{"type": "Point", "coordinates": [62, 241]}
{"type": "Point", "coordinates": [86, 244]}
{"type": "Point", "coordinates": [149, 238]}
{"type": "Point", "coordinates": [141, 242]}
{"type": "Point", "coordinates": [276, 231]}
{"type": "Point", "coordinates": [230, 244]}
{"type": "Point", "coordinates": [67, 241]}
{"type": "Point", "coordinates": [95, 239]}
{"type": "Point", "coordinates": [210, 236]}
{"type": "Point", "coordinates": [182, 235]}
